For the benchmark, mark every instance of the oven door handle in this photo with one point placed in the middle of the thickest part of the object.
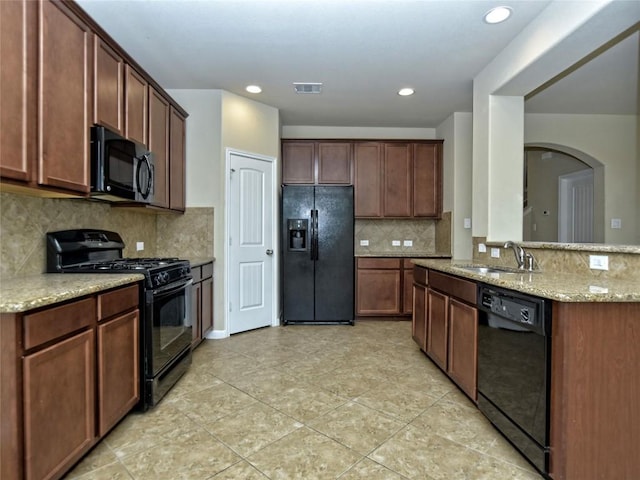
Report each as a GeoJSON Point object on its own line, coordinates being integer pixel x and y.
{"type": "Point", "coordinates": [169, 289]}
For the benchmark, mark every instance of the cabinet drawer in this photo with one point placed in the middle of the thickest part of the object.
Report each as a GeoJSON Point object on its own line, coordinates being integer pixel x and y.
{"type": "Point", "coordinates": [421, 275]}
{"type": "Point", "coordinates": [55, 322]}
{"type": "Point", "coordinates": [117, 301]}
{"type": "Point", "coordinates": [454, 286]}
{"type": "Point", "coordinates": [381, 263]}
{"type": "Point", "coordinates": [407, 264]}
{"type": "Point", "coordinates": [207, 271]}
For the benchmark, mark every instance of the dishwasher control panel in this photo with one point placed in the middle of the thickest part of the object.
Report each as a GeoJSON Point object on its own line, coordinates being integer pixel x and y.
{"type": "Point", "coordinates": [519, 309]}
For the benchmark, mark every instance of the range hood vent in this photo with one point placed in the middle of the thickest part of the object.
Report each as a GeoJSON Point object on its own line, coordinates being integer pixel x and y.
{"type": "Point", "coordinates": [307, 87]}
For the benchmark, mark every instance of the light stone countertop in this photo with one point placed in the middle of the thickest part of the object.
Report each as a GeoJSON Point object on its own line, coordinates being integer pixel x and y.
{"type": "Point", "coordinates": [21, 294]}
{"type": "Point", "coordinates": [412, 254]}
{"type": "Point", "coordinates": [199, 261]}
{"type": "Point", "coordinates": [563, 287]}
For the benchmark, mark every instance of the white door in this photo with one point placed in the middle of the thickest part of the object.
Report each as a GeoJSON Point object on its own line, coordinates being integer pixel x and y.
{"type": "Point", "coordinates": [251, 249]}
{"type": "Point", "coordinates": [575, 207]}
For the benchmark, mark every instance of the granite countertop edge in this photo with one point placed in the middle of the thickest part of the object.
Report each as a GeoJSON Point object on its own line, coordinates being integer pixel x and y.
{"type": "Point", "coordinates": [199, 261]}
{"type": "Point", "coordinates": [21, 294]}
{"type": "Point", "coordinates": [562, 287]}
{"type": "Point", "coordinates": [404, 254]}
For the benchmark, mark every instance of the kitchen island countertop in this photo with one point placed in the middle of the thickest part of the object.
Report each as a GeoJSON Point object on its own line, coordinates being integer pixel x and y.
{"type": "Point", "coordinates": [563, 287]}
{"type": "Point", "coordinates": [21, 294]}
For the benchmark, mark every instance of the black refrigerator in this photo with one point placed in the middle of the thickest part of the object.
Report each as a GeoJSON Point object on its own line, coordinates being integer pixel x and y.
{"type": "Point", "coordinates": [317, 255]}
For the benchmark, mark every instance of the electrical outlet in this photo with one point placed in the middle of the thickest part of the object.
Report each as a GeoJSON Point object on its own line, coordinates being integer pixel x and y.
{"type": "Point", "coordinates": [599, 262]}
{"type": "Point", "coordinates": [467, 223]}
{"type": "Point", "coordinates": [364, 243]}
{"type": "Point", "coordinates": [616, 223]}
{"type": "Point", "coordinates": [408, 243]}
{"type": "Point", "coordinates": [139, 246]}
{"type": "Point", "coordinates": [482, 248]}
{"type": "Point", "coordinates": [495, 253]}
{"type": "Point", "coordinates": [395, 243]}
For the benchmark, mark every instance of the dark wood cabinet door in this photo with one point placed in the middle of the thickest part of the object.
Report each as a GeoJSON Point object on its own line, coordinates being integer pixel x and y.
{"type": "Point", "coordinates": [378, 292]}
{"type": "Point", "coordinates": [419, 327]}
{"type": "Point", "coordinates": [18, 86]}
{"type": "Point", "coordinates": [59, 405]}
{"type": "Point", "coordinates": [159, 145]}
{"type": "Point", "coordinates": [438, 307]}
{"type": "Point", "coordinates": [427, 180]}
{"type": "Point", "coordinates": [177, 161]}
{"type": "Point", "coordinates": [334, 163]}
{"type": "Point", "coordinates": [108, 87]}
{"type": "Point", "coordinates": [397, 177]}
{"type": "Point", "coordinates": [118, 369]}
{"type": "Point", "coordinates": [196, 314]}
{"type": "Point", "coordinates": [136, 99]}
{"type": "Point", "coordinates": [407, 291]}
{"type": "Point", "coordinates": [368, 179]}
{"type": "Point", "coordinates": [463, 346]}
{"type": "Point", "coordinates": [64, 98]}
{"type": "Point", "coordinates": [298, 163]}
{"type": "Point", "coordinates": [207, 306]}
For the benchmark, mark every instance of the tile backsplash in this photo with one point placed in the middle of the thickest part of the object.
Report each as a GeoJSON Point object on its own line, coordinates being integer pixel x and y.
{"type": "Point", "coordinates": [381, 233]}
{"type": "Point", "coordinates": [24, 221]}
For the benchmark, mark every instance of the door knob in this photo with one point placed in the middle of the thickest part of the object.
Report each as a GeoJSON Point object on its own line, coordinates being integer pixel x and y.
{"type": "Point", "coordinates": [269, 252]}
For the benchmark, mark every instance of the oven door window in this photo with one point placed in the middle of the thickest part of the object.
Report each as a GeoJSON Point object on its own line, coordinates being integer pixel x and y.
{"type": "Point", "coordinates": [171, 323]}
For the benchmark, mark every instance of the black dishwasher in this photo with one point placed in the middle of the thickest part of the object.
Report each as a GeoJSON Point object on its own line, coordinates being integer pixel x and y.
{"type": "Point", "coordinates": [514, 340]}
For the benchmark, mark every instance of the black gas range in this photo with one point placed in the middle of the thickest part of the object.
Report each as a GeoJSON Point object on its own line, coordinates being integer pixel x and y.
{"type": "Point", "coordinates": [165, 303]}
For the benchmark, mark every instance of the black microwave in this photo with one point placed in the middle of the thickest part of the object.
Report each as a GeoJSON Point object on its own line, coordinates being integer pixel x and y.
{"type": "Point", "coordinates": [121, 170]}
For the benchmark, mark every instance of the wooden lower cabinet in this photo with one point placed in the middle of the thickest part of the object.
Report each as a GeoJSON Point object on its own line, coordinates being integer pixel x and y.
{"type": "Point", "coordinates": [118, 369]}
{"type": "Point", "coordinates": [384, 287]}
{"type": "Point", "coordinates": [202, 306]}
{"type": "Point", "coordinates": [59, 405]}
{"type": "Point", "coordinates": [449, 319]}
{"type": "Point", "coordinates": [69, 373]}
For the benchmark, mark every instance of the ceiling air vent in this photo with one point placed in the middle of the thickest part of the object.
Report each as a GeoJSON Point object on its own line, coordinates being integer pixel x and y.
{"type": "Point", "coordinates": [305, 87]}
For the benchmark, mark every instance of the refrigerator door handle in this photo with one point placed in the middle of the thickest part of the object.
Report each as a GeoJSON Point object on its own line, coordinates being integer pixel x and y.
{"type": "Point", "coordinates": [312, 238]}
{"type": "Point", "coordinates": [315, 235]}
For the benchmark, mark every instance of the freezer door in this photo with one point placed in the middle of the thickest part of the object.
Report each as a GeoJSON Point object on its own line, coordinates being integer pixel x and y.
{"type": "Point", "coordinates": [334, 277]}
{"type": "Point", "coordinates": [297, 265]}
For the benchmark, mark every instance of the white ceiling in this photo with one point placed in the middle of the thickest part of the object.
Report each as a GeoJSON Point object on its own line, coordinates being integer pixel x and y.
{"type": "Point", "coordinates": [363, 51]}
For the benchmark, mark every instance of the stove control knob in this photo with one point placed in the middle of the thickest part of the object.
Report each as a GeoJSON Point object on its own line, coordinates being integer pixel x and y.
{"type": "Point", "coordinates": [162, 278]}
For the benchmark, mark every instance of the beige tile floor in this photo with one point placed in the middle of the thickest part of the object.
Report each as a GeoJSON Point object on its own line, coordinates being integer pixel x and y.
{"type": "Point", "coordinates": [309, 402]}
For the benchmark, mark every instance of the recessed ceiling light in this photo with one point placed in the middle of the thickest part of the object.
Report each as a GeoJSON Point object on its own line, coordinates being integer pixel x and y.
{"type": "Point", "coordinates": [406, 92]}
{"type": "Point", "coordinates": [497, 15]}
{"type": "Point", "coordinates": [253, 89]}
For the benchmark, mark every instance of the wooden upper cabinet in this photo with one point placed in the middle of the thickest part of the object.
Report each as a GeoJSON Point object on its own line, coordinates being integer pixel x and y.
{"type": "Point", "coordinates": [368, 179]}
{"type": "Point", "coordinates": [311, 162]}
{"type": "Point", "coordinates": [397, 177]}
{"type": "Point", "coordinates": [136, 100]}
{"type": "Point", "coordinates": [18, 86]}
{"type": "Point", "coordinates": [427, 180]}
{"type": "Point", "coordinates": [64, 98]}
{"type": "Point", "coordinates": [159, 145]}
{"type": "Point", "coordinates": [177, 161]}
{"type": "Point", "coordinates": [298, 162]}
{"type": "Point", "coordinates": [108, 87]}
{"type": "Point", "coordinates": [334, 163]}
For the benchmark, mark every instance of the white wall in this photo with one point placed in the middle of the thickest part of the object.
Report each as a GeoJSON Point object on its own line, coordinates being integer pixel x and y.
{"type": "Point", "coordinates": [457, 178]}
{"type": "Point", "coordinates": [610, 139]}
{"type": "Point", "coordinates": [563, 34]}
{"type": "Point", "coordinates": [219, 120]}
{"type": "Point", "coordinates": [386, 133]}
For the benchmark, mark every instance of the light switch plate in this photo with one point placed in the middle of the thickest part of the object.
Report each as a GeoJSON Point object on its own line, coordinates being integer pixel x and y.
{"type": "Point", "coordinates": [482, 248]}
{"type": "Point", "coordinates": [139, 246]}
{"type": "Point", "coordinates": [467, 223]}
{"type": "Point", "coordinates": [616, 223]}
{"type": "Point", "coordinates": [495, 253]}
{"type": "Point", "coordinates": [364, 243]}
{"type": "Point", "coordinates": [395, 243]}
{"type": "Point", "coordinates": [408, 243]}
{"type": "Point", "coordinates": [599, 262]}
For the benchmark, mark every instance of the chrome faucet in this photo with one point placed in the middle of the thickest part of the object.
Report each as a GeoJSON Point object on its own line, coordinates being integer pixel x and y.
{"type": "Point", "coordinates": [518, 251]}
